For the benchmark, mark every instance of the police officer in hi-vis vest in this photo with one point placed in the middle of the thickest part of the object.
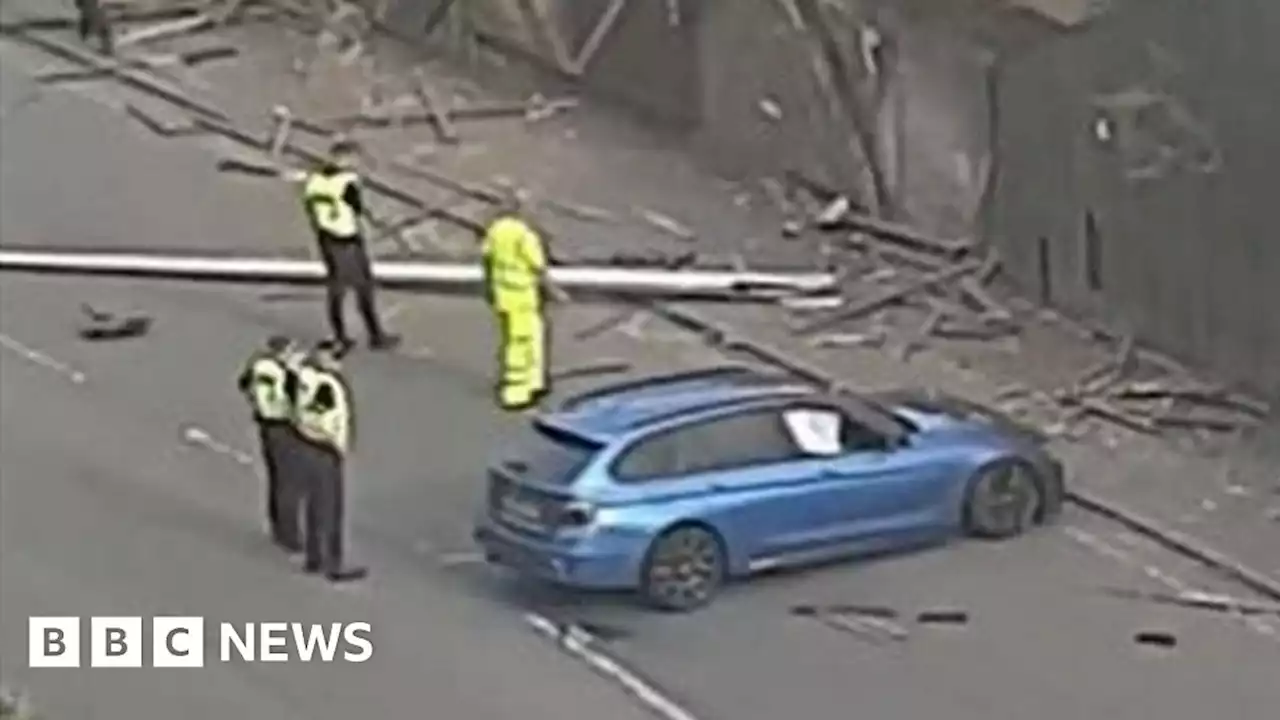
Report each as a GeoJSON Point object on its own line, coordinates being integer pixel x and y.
{"type": "Point", "coordinates": [335, 208]}
{"type": "Point", "coordinates": [515, 265]}
{"type": "Point", "coordinates": [265, 382]}
{"type": "Point", "coordinates": [322, 418]}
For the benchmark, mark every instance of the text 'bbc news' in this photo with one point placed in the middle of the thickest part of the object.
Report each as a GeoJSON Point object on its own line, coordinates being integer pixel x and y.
{"type": "Point", "coordinates": [180, 642]}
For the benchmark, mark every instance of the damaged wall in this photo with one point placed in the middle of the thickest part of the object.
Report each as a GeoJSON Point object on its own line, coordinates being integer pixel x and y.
{"type": "Point", "coordinates": [1137, 164]}
{"type": "Point", "coordinates": [838, 91]}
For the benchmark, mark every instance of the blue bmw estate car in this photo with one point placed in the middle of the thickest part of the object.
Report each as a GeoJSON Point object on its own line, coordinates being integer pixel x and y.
{"type": "Point", "coordinates": [673, 485]}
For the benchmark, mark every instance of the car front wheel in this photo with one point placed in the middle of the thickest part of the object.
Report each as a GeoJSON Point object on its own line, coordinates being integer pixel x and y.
{"type": "Point", "coordinates": [1004, 499]}
{"type": "Point", "coordinates": [684, 570]}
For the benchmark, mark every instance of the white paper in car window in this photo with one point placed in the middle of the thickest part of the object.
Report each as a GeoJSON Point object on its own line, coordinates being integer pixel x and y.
{"type": "Point", "coordinates": [817, 432]}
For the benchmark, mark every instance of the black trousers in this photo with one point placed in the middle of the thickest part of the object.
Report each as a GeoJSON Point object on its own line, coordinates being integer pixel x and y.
{"type": "Point", "coordinates": [93, 21]}
{"type": "Point", "coordinates": [284, 476]}
{"type": "Point", "coordinates": [324, 501]}
{"type": "Point", "coordinates": [347, 267]}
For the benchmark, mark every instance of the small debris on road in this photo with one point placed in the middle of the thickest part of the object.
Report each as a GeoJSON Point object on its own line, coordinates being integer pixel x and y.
{"type": "Point", "coordinates": [1156, 638]}
{"type": "Point", "coordinates": [666, 224]}
{"type": "Point", "coordinates": [943, 617]}
{"type": "Point", "coordinates": [102, 325]}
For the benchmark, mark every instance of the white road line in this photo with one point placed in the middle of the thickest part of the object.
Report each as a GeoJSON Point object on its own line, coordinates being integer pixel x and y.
{"type": "Point", "coordinates": [39, 358]}
{"type": "Point", "coordinates": [1098, 545]}
{"type": "Point", "coordinates": [1178, 586]}
{"type": "Point", "coordinates": [578, 643]}
{"type": "Point", "coordinates": [455, 559]}
{"type": "Point", "coordinates": [199, 437]}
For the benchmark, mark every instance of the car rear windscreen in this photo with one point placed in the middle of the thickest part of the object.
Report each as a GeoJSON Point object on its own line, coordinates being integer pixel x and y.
{"type": "Point", "coordinates": [544, 454]}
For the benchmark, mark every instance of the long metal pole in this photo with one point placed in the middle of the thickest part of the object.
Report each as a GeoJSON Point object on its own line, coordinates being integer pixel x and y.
{"type": "Point", "coordinates": [423, 275]}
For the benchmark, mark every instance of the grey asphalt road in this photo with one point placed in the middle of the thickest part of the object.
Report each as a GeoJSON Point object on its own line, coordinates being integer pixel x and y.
{"type": "Point", "coordinates": [105, 510]}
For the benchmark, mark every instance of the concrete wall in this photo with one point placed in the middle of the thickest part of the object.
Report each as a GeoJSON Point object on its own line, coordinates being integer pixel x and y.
{"type": "Point", "coordinates": [1137, 171]}
{"type": "Point", "coordinates": [907, 135]}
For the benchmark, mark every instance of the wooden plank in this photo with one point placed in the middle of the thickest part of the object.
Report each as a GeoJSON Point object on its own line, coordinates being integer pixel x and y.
{"type": "Point", "coordinates": [889, 297]}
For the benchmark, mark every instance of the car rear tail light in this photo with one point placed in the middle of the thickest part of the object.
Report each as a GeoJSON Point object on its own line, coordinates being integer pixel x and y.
{"type": "Point", "coordinates": [577, 515]}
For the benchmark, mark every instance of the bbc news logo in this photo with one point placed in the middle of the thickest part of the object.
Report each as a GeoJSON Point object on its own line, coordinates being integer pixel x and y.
{"type": "Point", "coordinates": [179, 642]}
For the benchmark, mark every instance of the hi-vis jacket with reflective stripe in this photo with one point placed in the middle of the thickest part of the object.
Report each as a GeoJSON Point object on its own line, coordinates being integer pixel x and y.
{"type": "Point", "coordinates": [322, 413]}
{"type": "Point", "coordinates": [323, 195]}
{"type": "Point", "coordinates": [265, 382]}
{"type": "Point", "coordinates": [514, 260]}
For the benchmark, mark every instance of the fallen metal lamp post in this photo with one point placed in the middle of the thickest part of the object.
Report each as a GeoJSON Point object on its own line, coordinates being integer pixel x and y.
{"type": "Point", "coordinates": [419, 275]}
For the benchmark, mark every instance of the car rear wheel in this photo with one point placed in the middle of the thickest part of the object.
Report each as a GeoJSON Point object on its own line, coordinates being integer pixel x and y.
{"type": "Point", "coordinates": [684, 569]}
{"type": "Point", "coordinates": [1004, 499]}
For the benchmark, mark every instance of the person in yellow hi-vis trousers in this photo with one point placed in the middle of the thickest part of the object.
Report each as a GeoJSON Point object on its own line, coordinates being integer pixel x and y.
{"type": "Point", "coordinates": [515, 265]}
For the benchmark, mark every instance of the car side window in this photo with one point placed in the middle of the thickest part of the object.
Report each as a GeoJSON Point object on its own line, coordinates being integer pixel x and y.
{"type": "Point", "coordinates": [816, 431]}
{"type": "Point", "coordinates": [651, 458]}
{"type": "Point", "coordinates": [856, 437]}
{"type": "Point", "coordinates": [724, 443]}
{"type": "Point", "coordinates": [827, 432]}
{"type": "Point", "coordinates": [751, 438]}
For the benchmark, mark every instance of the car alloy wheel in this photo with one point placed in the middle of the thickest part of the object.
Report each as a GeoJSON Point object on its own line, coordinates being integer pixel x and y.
{"type": "Point", "coordinates": [684, 570]}
{"type": "Point", "coordinates": [1005, 500]}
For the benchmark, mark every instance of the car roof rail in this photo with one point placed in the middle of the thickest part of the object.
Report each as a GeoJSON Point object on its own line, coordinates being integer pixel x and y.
{"type": "Point", "coordinates": [781, 391]}
{"type": "Point", "coordinates": [727, 371]}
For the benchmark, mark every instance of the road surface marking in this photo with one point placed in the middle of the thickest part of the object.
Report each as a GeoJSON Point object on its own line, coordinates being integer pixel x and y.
{"type": "Point", "coordinates": [455, 559]}
{"type": "Point", "coordinates": [199, 437]}
{"type": "Point", "coordinates": [1102, 547]}
{"type": "Point", "coordinates": [578, 642]}
{"type": "Point", "coordinates": [39, 358]}
{"type": "Point", "coordinates": [1098, 545]}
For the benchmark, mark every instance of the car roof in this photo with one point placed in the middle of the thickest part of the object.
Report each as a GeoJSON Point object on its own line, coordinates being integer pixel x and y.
{"type": "Point", "coordinates": [609, 412]}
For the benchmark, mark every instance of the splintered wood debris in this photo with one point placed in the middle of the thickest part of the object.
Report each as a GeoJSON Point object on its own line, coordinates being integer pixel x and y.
{"type": "Point", "coordinates": [666, 224]}
{"type": "Point", "coordinates": [1110, 392]}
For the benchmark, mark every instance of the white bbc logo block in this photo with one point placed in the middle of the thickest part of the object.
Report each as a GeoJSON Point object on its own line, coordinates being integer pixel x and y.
{"type": "Point", "coordinates": [177, 642]}
{"type": "Point", "coordinates": [53, 642]}
{"type": "Point", "coordinates": [115, 642]}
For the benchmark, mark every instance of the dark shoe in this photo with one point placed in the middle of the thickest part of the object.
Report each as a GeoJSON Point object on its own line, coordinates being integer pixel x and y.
{"type": "Point", "coordinates": [293, 547]}
{"type": "Point", "coordinates": [347, 574]}
{"type": "Point", "coordinates": [311, 568]}
{"type": "Point", "coordinates": [385, 342]}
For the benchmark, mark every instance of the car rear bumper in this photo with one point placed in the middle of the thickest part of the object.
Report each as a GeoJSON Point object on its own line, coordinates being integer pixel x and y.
{"type": "Point", "coordinates": [591, 563]}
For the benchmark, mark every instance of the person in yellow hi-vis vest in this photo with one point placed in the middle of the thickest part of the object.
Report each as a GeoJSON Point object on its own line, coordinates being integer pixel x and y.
{"type": "Point", "coordinates": [515, 266]}
{"type": "Point", "coordinates": [322, 418]}
{"type": "Point", "coordinates": [335, 208]}
{"type": "Point", "coordinates": [265, 384]}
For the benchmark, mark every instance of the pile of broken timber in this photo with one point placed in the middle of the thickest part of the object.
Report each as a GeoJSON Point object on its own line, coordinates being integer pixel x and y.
{"type": "Point", "coordinates": [942, 277]}
{"type": "Point", "coordinates": [1110, 392]}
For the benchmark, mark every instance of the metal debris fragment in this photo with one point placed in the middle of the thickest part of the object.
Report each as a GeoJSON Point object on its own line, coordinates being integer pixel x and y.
{"type": "Point", "coordinates": [943, 616]}
{"type": "Point", "coordinates": [101, 325]}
